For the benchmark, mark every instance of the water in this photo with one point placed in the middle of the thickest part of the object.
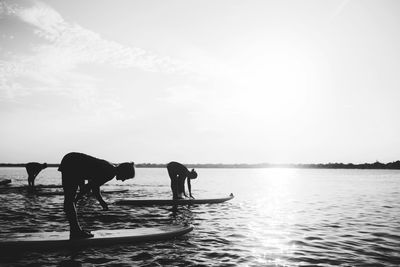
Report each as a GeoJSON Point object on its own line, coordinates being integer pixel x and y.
{"type": "Point", "coordinates": [279, 217]}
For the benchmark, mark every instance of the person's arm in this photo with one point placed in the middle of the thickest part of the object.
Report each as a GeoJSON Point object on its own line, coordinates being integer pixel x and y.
{"type": "Point", "coordinates": [189, 188]}
{"type": "Point", "coordinates": [97, 194]}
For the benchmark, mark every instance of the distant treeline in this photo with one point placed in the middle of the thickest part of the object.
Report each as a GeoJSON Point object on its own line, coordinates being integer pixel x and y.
{"type": "Point", "coordinates": [377, 165]}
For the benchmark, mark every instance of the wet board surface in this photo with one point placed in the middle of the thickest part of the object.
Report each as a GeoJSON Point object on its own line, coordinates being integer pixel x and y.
{"type": "Point", "coordinates": [164, 202]}
{"type": "Point", "coordinates": [51, 240]}
{"type": "Point", "coordinates": [60, 193]}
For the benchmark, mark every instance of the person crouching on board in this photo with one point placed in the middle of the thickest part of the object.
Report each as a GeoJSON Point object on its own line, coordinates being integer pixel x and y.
{"type": "Point", "coordinates": [33, 169]}
{"type": "Point", "coordinates": [75, 168]}
{"type": "Point", "coordinates": [178, 173]}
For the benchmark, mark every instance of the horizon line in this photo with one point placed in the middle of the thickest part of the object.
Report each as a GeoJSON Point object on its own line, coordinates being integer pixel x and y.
{"type": "Point", "coordinates": [375, 165]}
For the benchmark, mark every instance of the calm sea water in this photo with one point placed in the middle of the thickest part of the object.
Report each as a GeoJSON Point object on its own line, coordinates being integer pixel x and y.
{"type": "Point", "coordinates": [279, 217]}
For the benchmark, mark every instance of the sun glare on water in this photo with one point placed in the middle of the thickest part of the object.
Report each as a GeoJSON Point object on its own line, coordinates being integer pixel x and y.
{"type": "Point", "coordinates": [272, 227]}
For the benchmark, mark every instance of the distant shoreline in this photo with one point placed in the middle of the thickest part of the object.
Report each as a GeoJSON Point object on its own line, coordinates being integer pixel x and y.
{"type": "Point", "coordinates": [377, 165]}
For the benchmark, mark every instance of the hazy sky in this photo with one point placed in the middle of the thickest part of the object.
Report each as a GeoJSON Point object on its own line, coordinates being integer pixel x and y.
{"type": "Point", "coordinates": [200, 81]}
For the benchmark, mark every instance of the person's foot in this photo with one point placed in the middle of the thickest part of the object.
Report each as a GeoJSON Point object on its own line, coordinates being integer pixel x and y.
{"type": "Point", "coordinates": [80, 234]}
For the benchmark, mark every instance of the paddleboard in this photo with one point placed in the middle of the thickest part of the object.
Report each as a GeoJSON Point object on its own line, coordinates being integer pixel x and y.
{"type": "Point", "coordinates": [51, 240]}
{"type": "Point", "coordinates": [48, 186]}
{"type": "Point", "coordinates": [4, 181]}
{"type": "Point", "coordinates": [60, 193]}
{"type": "Point", "coordinates": [164, 202]}
{"type": "Point", "coordinates": [25, 187]}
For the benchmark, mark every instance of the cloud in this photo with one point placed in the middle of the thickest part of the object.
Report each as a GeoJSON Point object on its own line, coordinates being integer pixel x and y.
{"type": "Point", "coordinates": [55, 57]}
{"type": "Point", "coordinates": [84, 46]}
{"type": "Point", "coordinates": [7, 8]}
{"type": "Point", "coordinates": [10, 89]}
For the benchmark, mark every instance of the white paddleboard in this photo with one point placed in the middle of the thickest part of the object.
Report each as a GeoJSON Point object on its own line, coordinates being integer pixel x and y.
{"type": "Point", "coordinates": [165, 202]}
{"type": "Point", "coordinates": [50, 240]}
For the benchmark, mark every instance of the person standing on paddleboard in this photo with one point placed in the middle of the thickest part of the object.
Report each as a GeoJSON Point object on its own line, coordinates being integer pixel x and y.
{"type": "Point", "coordinates": [33, 169]}
{"type": "Point", "coordinates": [77, 167]}
{"type": "Point", "coordinates": [178, 173]}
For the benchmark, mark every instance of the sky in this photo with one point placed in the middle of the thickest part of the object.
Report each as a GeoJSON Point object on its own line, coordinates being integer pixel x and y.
{"type": "Point", "coordinates": [200, 81]}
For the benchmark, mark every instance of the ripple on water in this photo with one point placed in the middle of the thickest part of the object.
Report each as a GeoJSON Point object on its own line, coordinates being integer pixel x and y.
{"type": "Point", "coordinates": [142, 256]}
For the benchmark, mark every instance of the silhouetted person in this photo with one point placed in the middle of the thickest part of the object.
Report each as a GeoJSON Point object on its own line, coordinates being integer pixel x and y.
{"type": "Point", "coordinates": [178, 174]}
{"type": "Point", "coordinates": [33, 169]}
{"type": "Point", "coordinates": [75, 168]}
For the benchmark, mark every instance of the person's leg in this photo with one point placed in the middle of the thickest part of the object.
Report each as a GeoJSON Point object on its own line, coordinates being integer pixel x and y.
{"type": "Point", "coordinates": [33, 179]}
{"type": "Point", "coordinates": [70, 185]}
{"type": "Point", "coordinates": [181, 187]}
{"type": "Point", "coordinates": [30, 181]}
{"type": "Point", "coordinates": [70, 188]}
{"type": "Point", "coordinates": [174, 187]}
{"type": "Point", "coordinates": [174, 184]}
{"type": "Point", "coordinates": [30, 177]}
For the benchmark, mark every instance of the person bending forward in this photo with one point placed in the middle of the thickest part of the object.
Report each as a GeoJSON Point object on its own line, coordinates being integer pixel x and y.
{"type": "Point", "coordinates": [178, 173]}
{"type": "Point", "coordinates": [33, 169]}
{"type": "Point", "coordinates": [77, 167]}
